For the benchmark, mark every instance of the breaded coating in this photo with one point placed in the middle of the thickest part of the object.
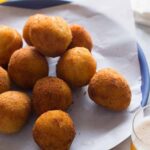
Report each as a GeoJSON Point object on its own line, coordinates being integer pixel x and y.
{"type": "Point", "coordinates": [76, 67]}
{"type": "Point", "coordinates": [15, 109]}
{"type": "Point", "coordinates": [26, 66]}
{"type": "Point", "coordinates": [26, 30]}
{"type": "Point", "coordinates": [10, 40]}
{"type": "Point", "coordinates": [80, 37]}
{"type": "Point", "coordinates": [51, 35]}
{"type": "Point", "coordinates": [110, 89]}
{"type": "Point", "coordinates": [28, 24]}
{"type": "Point", "coordinates": [51, 93]}
{"type": "Point", "coordinates": [4, 80]}
{"type": "Point", "coordinates": [54, 130]}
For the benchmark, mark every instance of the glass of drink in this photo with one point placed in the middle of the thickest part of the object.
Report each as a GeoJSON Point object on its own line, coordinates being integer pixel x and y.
{"type": "Point", "coordinates": [141, 129]}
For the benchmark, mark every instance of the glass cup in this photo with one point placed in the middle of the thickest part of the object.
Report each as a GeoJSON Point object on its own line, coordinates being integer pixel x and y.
{"type": "Point", "coordinates": [141, 129]}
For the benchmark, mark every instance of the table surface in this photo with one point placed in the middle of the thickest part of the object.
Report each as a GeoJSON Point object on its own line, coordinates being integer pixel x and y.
{"type": "Point", "coordinates": [143, 38]}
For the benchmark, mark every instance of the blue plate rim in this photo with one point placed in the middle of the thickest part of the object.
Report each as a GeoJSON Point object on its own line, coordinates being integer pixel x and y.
{"type": "Point", "coordinates": [145, 87]}
{"type": "Point", "coordinates": [145, 75]}
{"type": "Point", "coordinates": [35, 4]}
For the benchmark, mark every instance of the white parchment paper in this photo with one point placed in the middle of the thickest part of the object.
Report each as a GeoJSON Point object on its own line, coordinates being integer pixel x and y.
{"type": "Point", "coordinates": [111, 27]}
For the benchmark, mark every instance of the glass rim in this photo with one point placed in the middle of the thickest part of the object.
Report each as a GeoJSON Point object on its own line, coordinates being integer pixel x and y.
{"type": "Point", "coordinates": [136, 113]}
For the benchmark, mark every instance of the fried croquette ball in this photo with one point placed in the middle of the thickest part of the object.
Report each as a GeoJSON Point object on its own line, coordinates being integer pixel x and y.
{"type": "Point", "coordinates": [4, 80]}
{"type": "Point", "coordinates": [10, 40]}
{"type": "Point", "coordinates": [15, 109]}
{"type": "Point", "coordinates": [54, 130]}
{"type": "Point", "coordinates": [76, 67]}
{"type": "Point", "coordinates": [80, 37]}
{"type": "Point", "coordinates": [51, 93]}
{"type": "Point", "coordinates": [26, 66]}
{"type": "Point", "coordinates": [110, 89]}
{"type": "Point", "coordinates": [51, 35]}
{"type": "Point", "coordinates": [26, 29]}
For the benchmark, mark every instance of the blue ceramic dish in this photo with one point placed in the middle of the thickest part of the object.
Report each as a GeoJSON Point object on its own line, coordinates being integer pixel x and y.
{"type": "Point", "coordinates": [37, 4]}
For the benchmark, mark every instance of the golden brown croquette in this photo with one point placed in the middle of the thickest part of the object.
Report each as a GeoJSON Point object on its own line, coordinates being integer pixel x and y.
{"type": "Point", "coordinates": [80, 37]}
{"type": "Point", "coordinates": [28, 24]}
{"type": "Point", "coordinates": [76, 67]}
{"type": "Point", "coordinates": [26, 30]}
{"type": "Point", "coordinates": [26, 66]}
{"type": "Point", "coordinates": [51, 35]}
{"type": "Point", "coordinates": [110, 89]}
{"type": "Point", "coordinates": [51, 93]}
{"type": "Point", "coordinates": [15, 109]}
{"type": "Point", "coordinates": [54, 130]}
{"type": "Point", "coordinates": [10, 40]}
{"type": "Point", "coordinates": [4, 80]}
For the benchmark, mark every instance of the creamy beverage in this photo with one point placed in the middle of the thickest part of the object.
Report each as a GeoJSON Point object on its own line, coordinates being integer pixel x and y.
{"type": "Point", "coordinates": [141, 133]}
